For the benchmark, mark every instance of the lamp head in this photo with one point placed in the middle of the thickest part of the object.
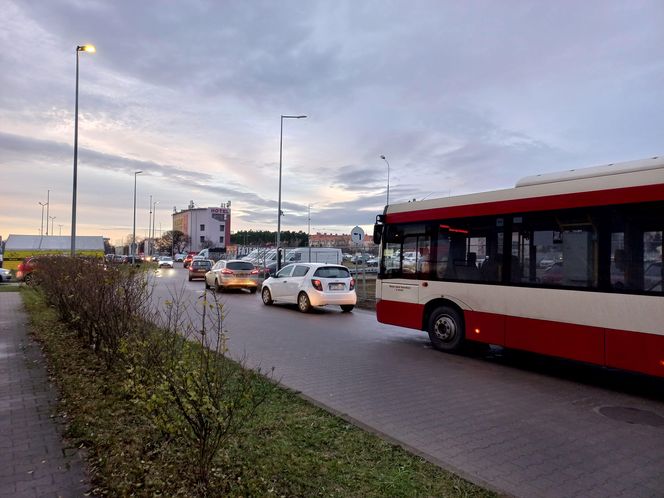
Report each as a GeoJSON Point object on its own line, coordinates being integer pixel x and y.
{"type": "Point", "coordinates": [382, 156]}
{"type": "Point", "coordinates": [86, 48]}
{"type": "Point", "coordinates": [138, 172]}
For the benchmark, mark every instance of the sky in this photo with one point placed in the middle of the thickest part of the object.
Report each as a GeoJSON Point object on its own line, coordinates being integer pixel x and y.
{"type": "Point", "coordinates": [459, 97]}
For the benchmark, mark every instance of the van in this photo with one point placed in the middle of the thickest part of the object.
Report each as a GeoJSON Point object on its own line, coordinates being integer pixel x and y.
{"type": "Point", "coordinates": [314, 255]}
{"type": "Point", "coordinates": [213, 253]}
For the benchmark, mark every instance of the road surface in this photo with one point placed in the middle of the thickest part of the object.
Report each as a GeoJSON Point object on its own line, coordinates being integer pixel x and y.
{"type": "Point", "coordinates": [520, 424]}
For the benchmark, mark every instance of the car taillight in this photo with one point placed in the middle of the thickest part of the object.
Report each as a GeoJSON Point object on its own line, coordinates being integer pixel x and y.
{"type": "Point", "coordinates": [317, 284]}
{"type": "Point", "coordinates": [190, 268]}
{"type": "Point", "coordinates": [254, 271]}
{"type": "Point", "coordinates": [226, 271]}
{"type": "Point", "coordinates": [20, 267]}
{"type": "Point", "coordinates": [352, 283]}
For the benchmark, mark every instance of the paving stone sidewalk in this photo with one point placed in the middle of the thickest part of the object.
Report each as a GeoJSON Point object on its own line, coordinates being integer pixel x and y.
{"type": "Point", "coordinates": [33, 459]}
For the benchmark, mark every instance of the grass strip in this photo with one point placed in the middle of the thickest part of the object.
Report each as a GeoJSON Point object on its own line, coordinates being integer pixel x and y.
{"type": "Point", "coordinates": [290, 448]}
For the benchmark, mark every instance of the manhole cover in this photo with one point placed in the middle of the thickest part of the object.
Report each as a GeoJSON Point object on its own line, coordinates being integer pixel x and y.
{"type": "Point", "coordinates": [632, 415]}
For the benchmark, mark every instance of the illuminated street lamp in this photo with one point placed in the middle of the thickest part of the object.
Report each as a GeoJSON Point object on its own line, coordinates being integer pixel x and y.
{"type": "Point", "coordinates": [388, 178]}
{"type": "Point", "coordinates": [79, 48]}
{"type": "Point", "coordinates": [133, 236]}
{"type": "Point", "coordinates": [279, 213]}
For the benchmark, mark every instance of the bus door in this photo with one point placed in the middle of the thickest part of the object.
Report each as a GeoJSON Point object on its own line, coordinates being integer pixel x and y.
{"type": "Point", "coordinates": [405, 262]}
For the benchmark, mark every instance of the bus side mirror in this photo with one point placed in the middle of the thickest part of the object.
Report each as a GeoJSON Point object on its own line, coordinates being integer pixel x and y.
{"type": "Point", "coordinates": [378, 228]}
{"type": "Point", "coordinates": [378, 231]}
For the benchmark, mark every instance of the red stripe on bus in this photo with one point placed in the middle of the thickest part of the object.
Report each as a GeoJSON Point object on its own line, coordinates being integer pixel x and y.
{"type": "Point", "coordinates": [400, 314]}
{"type": "Point", "coordinates": [627, 350]}
{"type": "Point", "coordinates": [626, 195]}
{"type": "Point", "coordinates": [634, 351]}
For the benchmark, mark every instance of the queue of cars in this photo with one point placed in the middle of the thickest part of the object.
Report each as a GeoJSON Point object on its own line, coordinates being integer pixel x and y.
{"type": "Point", "coordinates": [304, 284]}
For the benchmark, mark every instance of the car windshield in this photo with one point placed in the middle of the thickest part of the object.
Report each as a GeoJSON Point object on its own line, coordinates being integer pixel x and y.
{"type": "Point", "coordinates": [240, 265]}
{"type": "Point", "coordinates": [332, 272]}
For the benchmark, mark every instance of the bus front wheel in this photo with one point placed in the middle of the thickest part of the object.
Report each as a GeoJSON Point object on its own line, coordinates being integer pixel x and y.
{"type": "Point", "coordinates": [446, 329]}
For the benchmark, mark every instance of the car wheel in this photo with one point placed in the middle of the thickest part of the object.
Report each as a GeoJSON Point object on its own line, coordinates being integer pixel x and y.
{"type": "Point", "coordinates": [347, 307]}
{"type": "Point", "coordinates": [253, 290]}
{"type": "Point", "coordinates": [190, 279]}
{"type": "Point", "coordinates": [206, 284]}
{"type": "Point", "coordinates": [217, 287]}
{"type": "Point", "coordinates": [267, 296]}
{"type": "Point", "coordinates": [28, 279]}
{"type": "Point", "coordinates": [446, 329]}
{"type": "Point", "coordinates": [303, 303]}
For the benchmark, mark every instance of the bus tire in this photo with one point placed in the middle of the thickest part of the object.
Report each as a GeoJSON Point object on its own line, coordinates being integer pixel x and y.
{"type": "Point", "coordinates": [446, 329]}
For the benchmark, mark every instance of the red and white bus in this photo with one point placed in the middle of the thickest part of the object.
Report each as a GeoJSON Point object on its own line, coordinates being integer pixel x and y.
{"type": "Point", "coordinates": [566, 264]}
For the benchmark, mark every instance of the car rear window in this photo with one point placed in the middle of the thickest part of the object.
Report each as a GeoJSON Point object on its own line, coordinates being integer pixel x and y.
{"type": "Point", "coordinates": [332, 272]}
{"type": "Point", "coordinates": [240, 265]}
{"type": "Point", "coordinates": [201, 264]}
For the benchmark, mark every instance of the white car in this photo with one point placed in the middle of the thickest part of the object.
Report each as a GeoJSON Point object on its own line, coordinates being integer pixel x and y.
{"type": "Point", "coordinates": [5, 275]}
{"type": "Point", "coordinates": [311, 284]}
{"type": "Point", "coordinates": [165, 261]}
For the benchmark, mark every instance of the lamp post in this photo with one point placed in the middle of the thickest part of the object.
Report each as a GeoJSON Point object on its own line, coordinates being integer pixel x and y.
{"type": "Point", "coordinates": [388, 178]}
{"type": "Point", "coordinates": [48, 204]}
{"type": "Point", "coordinates": [154, 215]}
{"type": "Point", "coordinates": [79, 48]}
{"type": "Point", "coordinates": [279, 213]}
{"type": "Point", "coordinates": [41, 230]}
{"type": "Point", "coordinates": [133, 236]}
{"type": "Point", "coordinates": [146, 245]}
{"type": "Point", "coordinates": [51, 218]}
{"type": "Point", "coordinates": [309, 233]}
{"type": "Point", "coordinates": [60, 227]}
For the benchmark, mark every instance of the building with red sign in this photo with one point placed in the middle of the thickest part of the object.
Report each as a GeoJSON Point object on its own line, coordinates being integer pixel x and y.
{"type": "Point", "coordinates": [206, 227]}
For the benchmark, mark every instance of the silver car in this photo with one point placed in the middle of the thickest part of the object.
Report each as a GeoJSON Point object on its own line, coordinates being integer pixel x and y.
{"type": "Point", "coordinates": [5, 275]}
{"type": "Point", "coordinates": [233, 274]}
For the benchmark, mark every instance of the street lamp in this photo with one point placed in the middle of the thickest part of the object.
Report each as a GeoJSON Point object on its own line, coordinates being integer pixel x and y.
{"type": "Point", "coordinates": [279, 213]}
{"type": "Point", "coordinates": [41, 230]}
{"type": "Point", "coordinates": [133, 236]}
{"type": "Point", "coordinates": [154, 215]}
{"type": "Point", "coordinates": [48, 204]}
{"type": "Point", "coordinates": [52, 218]}
{"type": "Point", "coordinates": [79, 48]}
{"type": "Point", "coordinates": [388, 178]}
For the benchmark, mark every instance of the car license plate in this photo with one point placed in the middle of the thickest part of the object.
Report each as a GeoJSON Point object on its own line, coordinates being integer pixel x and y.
{"type": "Point", "coordinates": [337, 286]}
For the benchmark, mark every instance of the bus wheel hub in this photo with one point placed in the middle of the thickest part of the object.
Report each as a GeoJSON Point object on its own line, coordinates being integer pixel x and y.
{"type": "Point", "coordinates": [445, 329]}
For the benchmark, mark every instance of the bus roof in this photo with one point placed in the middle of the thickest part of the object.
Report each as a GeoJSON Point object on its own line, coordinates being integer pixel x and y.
{"type": "Point", "coordinates": [634, 181]}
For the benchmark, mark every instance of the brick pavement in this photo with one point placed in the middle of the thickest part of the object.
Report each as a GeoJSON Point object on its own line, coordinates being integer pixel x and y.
{"type": "Point", "coordinates": [517, 431]}
{"type": "Point", "coordinates": [33, 459]}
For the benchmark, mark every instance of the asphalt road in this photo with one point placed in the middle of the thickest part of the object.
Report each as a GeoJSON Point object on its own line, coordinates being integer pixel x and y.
{"type": "Point", "coordinates": [521, 424]}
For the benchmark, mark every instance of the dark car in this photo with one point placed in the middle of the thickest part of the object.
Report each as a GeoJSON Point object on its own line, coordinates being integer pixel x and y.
{"type": "Point", "coordinates": [198, 268]}
{"type": "Point", "coordinates": [188, 258]}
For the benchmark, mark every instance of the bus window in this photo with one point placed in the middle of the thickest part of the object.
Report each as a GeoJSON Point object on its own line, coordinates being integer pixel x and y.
{"type": "Point", "coordinates": [405, 250]}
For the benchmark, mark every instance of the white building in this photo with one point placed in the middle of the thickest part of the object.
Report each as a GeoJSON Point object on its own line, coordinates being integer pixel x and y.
{"type": "Point", "coordinates": [206, 227]}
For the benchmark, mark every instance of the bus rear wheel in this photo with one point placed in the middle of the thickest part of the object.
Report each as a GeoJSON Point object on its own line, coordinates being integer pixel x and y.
{"type": "Point", "coordinates": [446, 329]}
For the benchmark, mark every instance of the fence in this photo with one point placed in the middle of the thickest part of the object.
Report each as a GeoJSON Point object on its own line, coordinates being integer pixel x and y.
{"type": "Point", "coordinates": [363, 264]}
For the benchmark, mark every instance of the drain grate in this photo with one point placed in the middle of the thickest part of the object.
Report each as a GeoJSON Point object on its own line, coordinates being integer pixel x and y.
{"type": "Point", "coordinates": [632, 415]}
